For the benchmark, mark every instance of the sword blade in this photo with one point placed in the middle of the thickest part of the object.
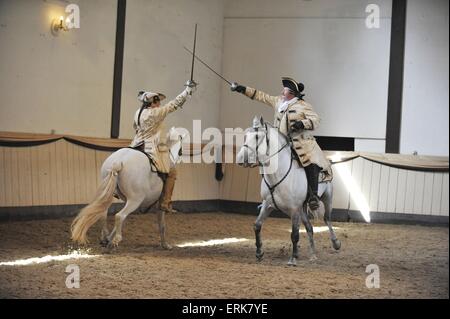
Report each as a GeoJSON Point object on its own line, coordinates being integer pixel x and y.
{"type": "Point", "coordinates": [211, 69]}
{"type": "Point", "coordinates": [193, 54]}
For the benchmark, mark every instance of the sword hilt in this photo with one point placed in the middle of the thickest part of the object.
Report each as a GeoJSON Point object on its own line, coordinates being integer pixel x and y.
{"type": "Point", "coordinates": [191, 83]}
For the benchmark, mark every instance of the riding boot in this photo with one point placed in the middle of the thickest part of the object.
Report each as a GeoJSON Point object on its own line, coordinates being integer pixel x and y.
{"type": "Point", "coordinates": [312, 175]}
{"type": "Point", "coordinates": [165, 202]}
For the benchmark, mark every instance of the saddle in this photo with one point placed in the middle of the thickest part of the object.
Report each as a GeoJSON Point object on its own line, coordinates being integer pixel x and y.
{"type": "Point", "coordinates": [153, 168]}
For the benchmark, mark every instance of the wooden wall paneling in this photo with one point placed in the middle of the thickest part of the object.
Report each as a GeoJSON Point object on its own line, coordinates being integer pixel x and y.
{"type": "Point", "coordinates": [8, 177]}
{"type": "Point", "coordinates": [2, 177]}
{"type": "Point", "coordinates": [427, 193]}
{"type": "Point", "coordinates": [437, 194]}
{"type": "Point", "coordinates": [419, 186]}
{"type": "Point", "coordinates": [35, 174]}
{"type": "Point", "coordinates": [401, 191]}
{"type": "Point", "coordinates": [44, 174]}
{"type": "Point", "coordinates": [392, 190]}
{"type": "Point", "coordinates": [238, 190]}
{"type": "Point", "coordinates": [53, 174]}
{"type": "Point", "coordinates": [24, 177]}
{"type": "Point", "coordinates": [208, 183]}
{"type": "Point", "coordinates": [357, 175]}
{"type": "Point", "coordinates": [341, 194]}
{"type": "Point", "coordinates": [410, 189]}
{"type": "Point", "coordinates": [445, 190]}
{"type": "Point", "coordinates": [383, 189]}
{"type": "Point", "coordinates": [62, 175]}
{"type": "Point", "coordinates": [374, 192]}
{"type": "Point", "coordinates": [91, 174]}
{"type": "Point", "coordinates": [366, 181]}
{"type": "Point", "coordinates": [225, 187]}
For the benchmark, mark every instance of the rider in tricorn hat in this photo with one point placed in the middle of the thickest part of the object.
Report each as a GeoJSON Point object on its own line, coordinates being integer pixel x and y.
{"type": "Point", "coordinates": [296, 118]}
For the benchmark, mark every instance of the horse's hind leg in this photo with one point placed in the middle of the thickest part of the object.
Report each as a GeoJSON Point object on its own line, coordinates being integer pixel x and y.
{"type": "Point", "coordinates": [327, 199]}
{"type": "Point", "coordinates": [295, 237]}
{"type": "Point", "coordinates": [310, 231]}
{"type": "Point", "coordinates": [116, 235]}
{"type": "Point", "coordinates": [162, 230]}
{"type": "Point", "coordinates": [105, 230]}
{"type": "Point", "coordinates": [263, 214]}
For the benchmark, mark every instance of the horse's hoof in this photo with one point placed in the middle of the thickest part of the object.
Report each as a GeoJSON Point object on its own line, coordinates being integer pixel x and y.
{"type": "Point", "coordinates": [112, 245]}
{"type": "Point", "coordinates": [166, 246]}
{"type": "Point", "coordinates": [336, 244]}
{"type": "Point", "coordinates": [292, 262]}
{"type": "Point", "coordinates": [259, 256]}
{"type": "Point", "coordinates": [104, 242]}
{"type": "Point", "coordinates": [313, 258]}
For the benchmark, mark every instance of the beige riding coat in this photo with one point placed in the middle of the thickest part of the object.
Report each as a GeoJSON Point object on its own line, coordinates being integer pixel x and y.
{"type": "Point", "coordinates": [304, 143]}
{"type": "Point", "coordinates": [151, 127]}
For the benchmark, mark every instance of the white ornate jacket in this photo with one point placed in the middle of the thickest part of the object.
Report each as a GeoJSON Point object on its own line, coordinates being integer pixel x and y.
{"type": "Point", "coordinates": [286, 114]}
{"type": "Point", "coordinates": [150, 127]}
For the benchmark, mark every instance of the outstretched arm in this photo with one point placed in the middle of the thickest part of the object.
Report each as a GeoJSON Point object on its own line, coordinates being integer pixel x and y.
{"type": "Point", "coordinates": [255, 94]}
{"type": "Point", "coordinates": [176, 103]}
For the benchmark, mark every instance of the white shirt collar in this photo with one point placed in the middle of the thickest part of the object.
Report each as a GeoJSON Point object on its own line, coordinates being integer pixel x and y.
{"type": "Point", "coordinates": [283, 106]}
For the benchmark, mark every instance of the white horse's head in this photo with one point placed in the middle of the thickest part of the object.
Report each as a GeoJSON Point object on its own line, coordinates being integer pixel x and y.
{"type": "Point", "coordinates": [175, 143]}
{"type": "Point", "coordinates": [255, 144]}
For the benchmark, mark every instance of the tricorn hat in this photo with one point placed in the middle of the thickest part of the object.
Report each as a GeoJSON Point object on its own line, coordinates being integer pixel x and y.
{"type": "Point", "coordinates": [147, 97]}
{"type": "Point", "coordinates": [293, 85]}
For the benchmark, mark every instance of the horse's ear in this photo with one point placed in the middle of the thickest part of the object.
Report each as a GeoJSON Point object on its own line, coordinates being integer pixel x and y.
{"type": "Point", "coordinates": [256, 122]}
{"type": "Point", "coordinates": [261, 120]}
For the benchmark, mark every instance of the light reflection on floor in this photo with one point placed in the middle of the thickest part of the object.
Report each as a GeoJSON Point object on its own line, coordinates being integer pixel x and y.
{"type": "Point", "coordinates": [40, 260]}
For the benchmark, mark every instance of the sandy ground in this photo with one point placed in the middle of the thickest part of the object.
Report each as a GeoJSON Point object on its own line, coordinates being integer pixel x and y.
{"type": "Point", "coordinates": [413, 261]}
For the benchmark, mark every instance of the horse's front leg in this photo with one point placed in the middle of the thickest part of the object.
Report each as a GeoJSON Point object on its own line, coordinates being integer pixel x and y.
{"type": "Point", "coordinates": [310, 231]}
{"type": "Point", "coordinates": [162, 230]}
{"type": "Point", "coordinates": [263, 214]}
{"type": "Point", "coordinates": [295, 237]}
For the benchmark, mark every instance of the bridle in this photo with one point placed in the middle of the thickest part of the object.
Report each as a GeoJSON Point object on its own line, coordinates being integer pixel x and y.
{"type": "Point", "coordinates": [263, 163]}
{"type": "Point", "coordinates": [258, 144]}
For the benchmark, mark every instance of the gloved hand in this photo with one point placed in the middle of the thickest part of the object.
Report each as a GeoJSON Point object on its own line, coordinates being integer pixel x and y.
{"type": "Point", "coordinates": [297, 126]}
{"type": "Point", "coordinates": [238, 88]}
{"type": "Point", "coordinates": [191, 87]}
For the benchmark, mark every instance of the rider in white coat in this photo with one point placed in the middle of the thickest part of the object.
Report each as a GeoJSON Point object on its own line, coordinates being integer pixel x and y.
{"type": "Point", "coordinates": [148, 124]}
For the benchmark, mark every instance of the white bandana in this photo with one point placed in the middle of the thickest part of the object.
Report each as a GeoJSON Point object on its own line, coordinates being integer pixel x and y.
{"type": "Point", "coordinates": [283, 106]}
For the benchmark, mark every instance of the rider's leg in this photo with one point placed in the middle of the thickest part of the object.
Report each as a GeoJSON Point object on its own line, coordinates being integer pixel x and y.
{"type": "Point", "coordinates": [166, 196]}
{"type": "Point", "coordinates": [312, 174]}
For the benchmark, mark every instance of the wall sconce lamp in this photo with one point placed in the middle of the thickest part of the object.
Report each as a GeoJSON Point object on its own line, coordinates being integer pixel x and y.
{"type": "Point", "coordinates": [59, 24]}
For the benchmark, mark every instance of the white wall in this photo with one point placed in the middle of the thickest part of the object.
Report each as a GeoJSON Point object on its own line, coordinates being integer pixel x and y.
{"type": "Point", "coordinates": [324, 44]}
{"type": "Point", "coordinates": [426, 79]}
{"type": "Point", "coordinates": [154, 58]}
{"type": "Point", "coordinates": [62, 83]}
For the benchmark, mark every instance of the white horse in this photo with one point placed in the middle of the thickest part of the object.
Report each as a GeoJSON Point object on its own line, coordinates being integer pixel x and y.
{"type": "Point", "coordinates": [127, 174]}
{"type": "Point", "coordinates": [284, 185]}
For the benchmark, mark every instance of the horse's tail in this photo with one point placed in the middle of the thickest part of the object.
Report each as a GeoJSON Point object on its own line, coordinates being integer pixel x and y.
{"type": "Point", "coordinates": [90, 214]}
